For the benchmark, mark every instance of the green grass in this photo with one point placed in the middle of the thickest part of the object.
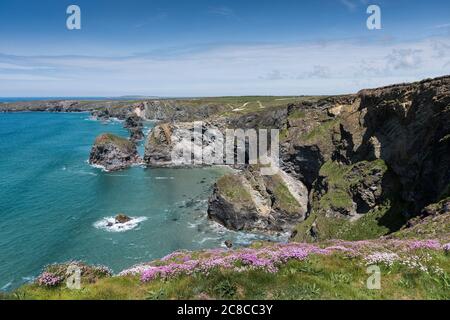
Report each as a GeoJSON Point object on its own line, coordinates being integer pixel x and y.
{"type": "Point", "coordinates": [337, 195]}
{"type": "Point", "coordinates": [340, 178]}
{"type": "Point", "coordinates": [106, 138]}
{"type": "Point", "coordinates": [297, 114]}
{"type": "Point", "coordinates": [231, 186]}
{"type": "Point", "coordinates": [382, 220]}
{"type": "Point", "coordinates": [283, 198]}
{"type": "Point", "coordinates": [321, 132]}
{"type": "Point", "coordinates": [238, 106]}
{"type": "Point", "coordinates": [334, 276]}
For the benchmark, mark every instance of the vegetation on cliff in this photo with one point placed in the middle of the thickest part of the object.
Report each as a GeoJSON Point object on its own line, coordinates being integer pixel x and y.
{"type": "Point", "coordinates": [329, 270]}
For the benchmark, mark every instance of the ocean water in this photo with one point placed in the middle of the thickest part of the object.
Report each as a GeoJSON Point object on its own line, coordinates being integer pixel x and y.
{"type": "Point", "coordinates": [54, 206]}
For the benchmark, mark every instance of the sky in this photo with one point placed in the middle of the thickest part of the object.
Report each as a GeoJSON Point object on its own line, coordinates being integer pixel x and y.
{"type": "Point", "coordinates": [180, 48]}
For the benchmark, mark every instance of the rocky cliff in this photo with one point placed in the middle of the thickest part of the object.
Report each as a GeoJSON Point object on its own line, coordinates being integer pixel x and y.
{"type": "Point", "coordinates": [370, 161]}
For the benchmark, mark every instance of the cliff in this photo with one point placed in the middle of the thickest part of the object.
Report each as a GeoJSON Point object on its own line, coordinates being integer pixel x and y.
{"type": "Point", "coordinates": [371, 161]}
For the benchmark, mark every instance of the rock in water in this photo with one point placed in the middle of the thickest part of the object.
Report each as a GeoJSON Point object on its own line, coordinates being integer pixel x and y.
{"type": "Point", "coordinates": [134, 125]}
{"type": "Point", "coordinates": [122, 218]}
{"type": "Point", "coordinates": [228, 243]}
{"type": "Point", "coordinates": [133, 121]}
{"type": "Point", "coordinates": [136, 135]}
{"type": "Point", "coordinates": [113, 152]}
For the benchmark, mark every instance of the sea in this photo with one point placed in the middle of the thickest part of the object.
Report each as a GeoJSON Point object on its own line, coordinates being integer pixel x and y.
{"type": "Point", "coordinates": [55, 207]}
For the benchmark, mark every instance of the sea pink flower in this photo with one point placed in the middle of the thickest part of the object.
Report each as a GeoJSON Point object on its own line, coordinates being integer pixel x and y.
{"type": "Point", "coordinates": [446, 247]}
{"type": "Point", "coordinates": [270, 258]}
{"type": "Point", "coordinates": [425, 244]}
{"type": "Point", "coordinates": [48, 279]}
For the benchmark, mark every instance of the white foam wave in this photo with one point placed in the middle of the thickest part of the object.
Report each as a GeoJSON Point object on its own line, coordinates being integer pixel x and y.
{"type": "Point", "coordinates": [97, 166]}
{"type": "Point", "coordinates": [108, 224]}
{"type": "Point", "coordinates": [6, 286]}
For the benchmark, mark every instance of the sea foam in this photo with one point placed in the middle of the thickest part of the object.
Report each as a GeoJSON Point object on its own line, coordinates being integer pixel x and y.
{"type": "Point", "coordinates": [118, 227]}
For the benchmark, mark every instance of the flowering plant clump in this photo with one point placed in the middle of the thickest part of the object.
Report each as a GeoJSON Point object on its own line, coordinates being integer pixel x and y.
{"type": "Point", "coordinates": [271, 257]}
{"type": "Point", "coordinates": [266, 259]}
{"type": "Point", "coordinates": [425, 244]}
{"type": "Point", "coordinates": [416, 263]}
{"type": "Point", "coordinates": [48, 279]}
{"type": "Point", "coordinates": [56, 273]}
{"type": "Point", "coordinates": [446, 247]}
{"type": "Point", "coordinates": [385, 258]}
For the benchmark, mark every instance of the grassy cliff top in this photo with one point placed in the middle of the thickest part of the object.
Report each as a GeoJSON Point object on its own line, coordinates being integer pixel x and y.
{"type": "Point", "coordinates": [230, 185]}
{"type": "Point", "coordinates": [107, 138]}
{"type": "Point", "coordinates": [409, 269]}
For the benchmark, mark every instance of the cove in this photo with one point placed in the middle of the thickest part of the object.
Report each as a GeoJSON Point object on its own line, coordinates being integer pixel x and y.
{"type": "Point", "coordinates": [52, 203]}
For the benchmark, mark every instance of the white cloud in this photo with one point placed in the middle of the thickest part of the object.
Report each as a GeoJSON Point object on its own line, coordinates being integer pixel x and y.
{"type": "Point", "coordinates": [441, 26]}
{"type": "Point", "coordinates": [352, 5]}
{"type": "Point", "coordinates": [222, 11]}
{"type": "Point", "coordinates": [273, 75]}
{"type": "Point", "coordinates": [404, 59]}
{"type": "Point", "coordinates": [307, 68]}
{"type": "Point", "coordinates": [26, 77]}
{"type": "Point", "coordinates": [12, 66]}
{"type": "Point", "coordinates": [318, 71]}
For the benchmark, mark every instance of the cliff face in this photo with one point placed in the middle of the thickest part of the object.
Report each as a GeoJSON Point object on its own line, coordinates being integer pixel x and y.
{"type": "Point", "coordinates": [158, 146]}
{"type": "Point", "coordinates": [412, 126]}
{"type": "Point", "coordinates": [370, 161]}
{"type": "Point", "coordinates": [379, 156]}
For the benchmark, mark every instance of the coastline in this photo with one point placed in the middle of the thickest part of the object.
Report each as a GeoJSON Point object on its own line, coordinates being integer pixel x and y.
{"type": "Point", "coordinates": [335, 146]}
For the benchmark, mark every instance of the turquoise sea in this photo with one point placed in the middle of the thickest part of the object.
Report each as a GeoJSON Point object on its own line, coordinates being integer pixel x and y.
{"type": "Point", "coordinates": [53, 204]}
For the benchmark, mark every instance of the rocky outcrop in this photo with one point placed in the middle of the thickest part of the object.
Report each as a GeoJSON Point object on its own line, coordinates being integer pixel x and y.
{"type": "Point", "coordinates": [136, 135]}
{"type": "Point", "coordinates": [432, 222]}
{"type": "Point", "coordinates": [122, 218]}
{"type": "Point", "coordinates": [168, 144]}
{"type": "Point", "coordinates": [132, 121]}
{"type": "Point", "coordinates": [250, 201]}
{"type": "Point", "coordinates": [113, 153]}
{"type": "Point", "coordinates": [134, 124]}
{"type": "Point", "coordinates": [158, 147]}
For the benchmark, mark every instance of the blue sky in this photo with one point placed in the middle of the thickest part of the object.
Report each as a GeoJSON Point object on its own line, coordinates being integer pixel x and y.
{"type": "Point", "coordinates": [218, 47]}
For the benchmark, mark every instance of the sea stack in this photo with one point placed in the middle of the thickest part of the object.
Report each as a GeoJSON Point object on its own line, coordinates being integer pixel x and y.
{"type": "Point", "coordinates": [113, 153]}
